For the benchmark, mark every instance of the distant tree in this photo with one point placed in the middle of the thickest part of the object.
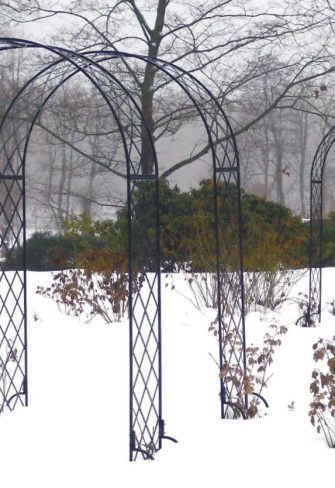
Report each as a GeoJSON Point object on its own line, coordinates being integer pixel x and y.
{"type": "Point", "coordinates": [277, 152]}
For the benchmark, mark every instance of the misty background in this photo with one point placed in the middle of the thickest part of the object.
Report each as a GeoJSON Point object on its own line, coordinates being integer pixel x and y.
{"type": "Point", "coordinates": [270, 65]}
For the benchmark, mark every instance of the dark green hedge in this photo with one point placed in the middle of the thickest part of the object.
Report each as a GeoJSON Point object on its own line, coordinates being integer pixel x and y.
{"type": "Point", "coordinates": [272, 235]}
{"type": "Point", "coordinates": [44, 252]}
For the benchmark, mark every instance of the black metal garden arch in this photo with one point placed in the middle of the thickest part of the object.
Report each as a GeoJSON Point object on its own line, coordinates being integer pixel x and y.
{"type": "Point", "coordinates": [316, 229]}
{"type": "Point", "coordinates": [146, 422]}
{"type": "Point", "coordinates": [15, 167]}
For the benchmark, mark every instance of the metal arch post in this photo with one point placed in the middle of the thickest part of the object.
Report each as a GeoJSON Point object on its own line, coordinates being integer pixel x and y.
{"type": "Point", "coordinates": [229, 394]}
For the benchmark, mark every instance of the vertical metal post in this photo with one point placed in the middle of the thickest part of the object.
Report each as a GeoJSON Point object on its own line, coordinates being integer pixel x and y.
{"type": "Point", "coordinates": [13, 357]}
{"type": "Point", "coordinates": [24, 252]}
{"type": "Point", "coordinates": [145, 320]}
{"type": "Point", "coordinates": [230, 293]}
{"type": "Point", "coordinates": [159, 312]}
{"type": "Point", "coordinates": [316, 229]}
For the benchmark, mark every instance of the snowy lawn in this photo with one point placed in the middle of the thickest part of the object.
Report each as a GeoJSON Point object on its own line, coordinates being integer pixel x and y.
{"type": "Point", "coordinates": [75, 432]}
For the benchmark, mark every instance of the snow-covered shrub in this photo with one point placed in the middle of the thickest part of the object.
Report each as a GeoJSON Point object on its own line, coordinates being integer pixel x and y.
{"type": "Point", "coordinates": [82, 293]}
{"type": "Point", "coordinates": [270, 288]}
{"type": "Point", "coordinates": [202, 288]}
{"type": "Point", "coordinates": [307, 311]}
{"type": "Point", "coordinates": [322, 412]}
{"type": "Point", "coordinates": [258, 361]}
{"type": "Point", "coordinates": [97, 283]}
{"type": "Point", "coordinates": [263, 289]}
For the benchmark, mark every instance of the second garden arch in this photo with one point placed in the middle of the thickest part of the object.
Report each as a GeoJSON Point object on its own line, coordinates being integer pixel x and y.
{"type": "Point", "coordinates": [316, 229]}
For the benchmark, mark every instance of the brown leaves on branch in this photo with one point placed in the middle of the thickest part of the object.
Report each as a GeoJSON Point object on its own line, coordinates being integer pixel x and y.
{"type": "Point", "coordinates": [254, 379]}
{"type": "Point", "coordinates": [322, 408]}
{"type": "Point", "coordinates": [83, 293]}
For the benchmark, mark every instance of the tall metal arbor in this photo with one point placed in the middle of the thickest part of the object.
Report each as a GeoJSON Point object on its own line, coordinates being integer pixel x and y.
{"type": "Point", "coordinates": [316, 229]}
{"type": "Point", "coordinates": [227, 227]}
{"type": "Point", "coordinates": [146, 422]}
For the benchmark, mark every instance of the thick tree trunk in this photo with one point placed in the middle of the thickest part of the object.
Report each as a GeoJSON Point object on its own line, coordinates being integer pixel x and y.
{"type": "Point", "coordinates": [147, 91]}
{"type": "Point", "coordinates": [303, 148]}
{"type": "Point", "coordinates": [277, 133]}
{"type": "Point", "coordinates": [265, 150]}
{"type": "Point", "coordinates": [147, 129]}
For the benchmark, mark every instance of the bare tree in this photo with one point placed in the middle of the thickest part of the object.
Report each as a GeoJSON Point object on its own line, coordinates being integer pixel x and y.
{"type": "Point", "coordinates": [277, 152]}
{"type": "Point", "coordinates": [74, 149]}
{"type": "Point", "coordinates": [223, 43]}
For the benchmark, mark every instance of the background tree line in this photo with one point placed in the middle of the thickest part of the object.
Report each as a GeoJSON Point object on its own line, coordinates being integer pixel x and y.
{"type": "Point", "coordinates": [270, 66]}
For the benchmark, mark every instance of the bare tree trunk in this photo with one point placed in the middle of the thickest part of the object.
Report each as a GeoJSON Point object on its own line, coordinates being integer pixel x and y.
{"type": "Point", "coordinates": [276, 129]}
{"type": "Point", "coordinates": [147, 89]}
{"type": "Point", "coordinates": [265, 150]}
{"type": "Point", "coordinates": [68, 186]}
{"type": "Point", "coordinates": [302, 165]}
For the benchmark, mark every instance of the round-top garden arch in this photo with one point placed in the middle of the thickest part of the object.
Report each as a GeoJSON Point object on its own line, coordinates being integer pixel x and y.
{"type": "Point", "coordinates": [144, 302]}
{"type": "Point", "coordinates": [316, 229]}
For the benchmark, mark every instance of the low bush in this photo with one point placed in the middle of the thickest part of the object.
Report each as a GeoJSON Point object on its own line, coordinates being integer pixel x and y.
{"type": "Point", "coordinates": [97, 284]}
{"type": "Point", "coordinates": [252, 381]}
{"type": "Point", "coordinates": [44, 252]}
{"type": "Point", "coordinates": [83, 243]}
{"type": "Point", "coordinates": [262, 289]}
{"type": "Point", "coordinates": [83, 294]}
{"type": "Point", "coordinates": [259, 360]}
{"type": "Point", "coordinates": [270, 288]}
{"type": "Point", "coordinates": [322, 408]}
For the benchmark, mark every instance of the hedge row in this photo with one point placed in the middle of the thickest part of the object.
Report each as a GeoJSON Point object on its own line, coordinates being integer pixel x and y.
{"type": "Point", "coordinates": [272, 236]}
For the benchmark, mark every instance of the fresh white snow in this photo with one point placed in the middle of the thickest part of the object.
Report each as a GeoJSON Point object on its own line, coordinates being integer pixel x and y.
{"type": "Point", "coordinates": [74, 434]}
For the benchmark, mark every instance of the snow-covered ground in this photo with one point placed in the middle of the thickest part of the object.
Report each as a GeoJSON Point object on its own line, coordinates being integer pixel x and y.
{"type": "Point", "coordinates": [74, 434]}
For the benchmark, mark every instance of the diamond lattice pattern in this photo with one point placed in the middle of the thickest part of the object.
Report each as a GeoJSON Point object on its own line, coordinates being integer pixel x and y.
{"type": "Point", "coordinates": [146, 365]}
{"type": "Point", "coordinates": [12, 316]}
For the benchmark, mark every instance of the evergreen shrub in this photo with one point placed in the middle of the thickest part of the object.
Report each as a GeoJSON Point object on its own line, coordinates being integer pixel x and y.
{"type": "Point", "coordinates": [44, 252]}
{"type": "Point", "coordinates": [272, 236]}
